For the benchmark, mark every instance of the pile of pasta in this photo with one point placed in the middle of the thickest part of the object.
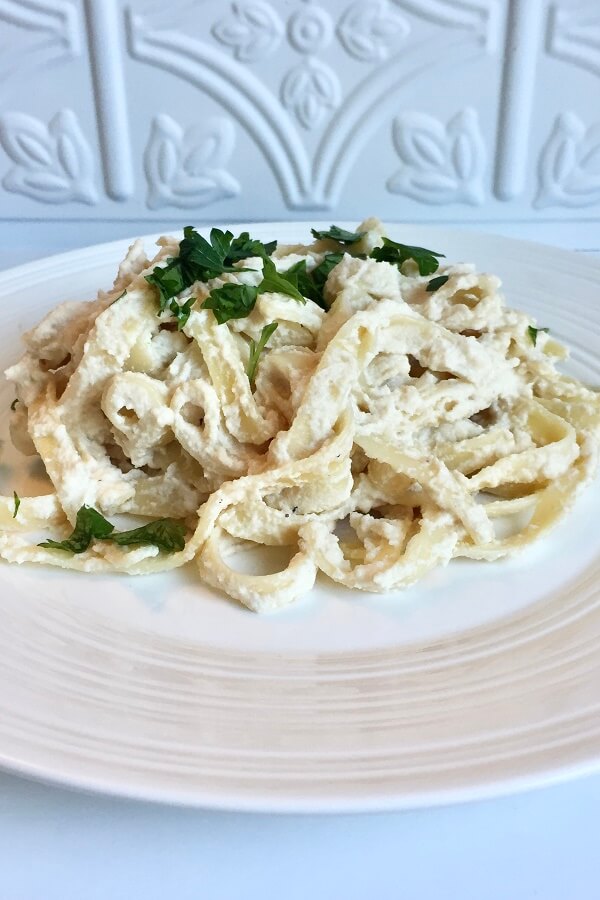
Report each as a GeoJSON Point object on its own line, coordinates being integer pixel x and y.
{"type": "Point", "coordinates": [382, 437]}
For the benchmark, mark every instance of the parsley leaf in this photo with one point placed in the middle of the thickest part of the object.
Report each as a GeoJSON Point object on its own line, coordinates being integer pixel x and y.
{"type": "Point", "coordinates": [338, 234]}
{"type": "Point", "coordinates": [393, 252]}
{"type": "Point", "coordinates": [200, 260]}
{"type": "Point", "coordinates": [166, 534]}
{"type": "Point", "coordinates": [533, 333]}
{"type": "Point", "coordinates": [257, 347]}
{"type": "Point", "coordinates": [13, 405]}
{"type": "Point", "coordinates": [169, 280]}
{"type": "Point", "coordinates": [244, 246]}
{"type": "Point", "coordinates": [17, 501]}
{"type": "Point", "coordinates": [299, 277]}
{"type": "Point", "coordinates": [232, 301]}
{"type": "Point", "coordinates": [311, 284]}
{"type": "Point", "coordinates": [182, 311]}
{"type": "Point", "coordinates": [89, 524]}
{"type": "Point", "coordinates": [436, 283]}
{"type": "Point", "coordinates": [321, 272]}
{"type": "Point", "coordinates": [277, 283]}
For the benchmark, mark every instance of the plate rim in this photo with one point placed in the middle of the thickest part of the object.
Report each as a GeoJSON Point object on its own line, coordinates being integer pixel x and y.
{"type": "Point", "coordinates": [99, 253]}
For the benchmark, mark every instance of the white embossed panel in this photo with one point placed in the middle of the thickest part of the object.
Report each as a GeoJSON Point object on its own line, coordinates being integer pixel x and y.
{"type": "Point", "coordinates": [433, 110]}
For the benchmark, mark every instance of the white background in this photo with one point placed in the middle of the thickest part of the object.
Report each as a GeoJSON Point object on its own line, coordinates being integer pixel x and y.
{"type": "Point", "coordinates": [58, 845]}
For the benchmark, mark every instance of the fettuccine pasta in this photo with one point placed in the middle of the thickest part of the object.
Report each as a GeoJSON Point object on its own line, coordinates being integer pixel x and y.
{"type": "Point", "coordinates": [390, 416]}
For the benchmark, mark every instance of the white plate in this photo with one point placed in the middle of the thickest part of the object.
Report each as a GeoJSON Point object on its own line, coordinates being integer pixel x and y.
{"type": "Point", "coordinates": [483, 679]}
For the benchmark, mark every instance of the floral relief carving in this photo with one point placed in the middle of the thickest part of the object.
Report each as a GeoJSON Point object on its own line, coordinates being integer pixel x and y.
{"type": "Point", "coordinates": [441, 164]}
{"type": "Point", "coordinates": [569, 166]}
{"type": "Point", "coordinates": [185, 168]}
{"type": "Point", "coordinates": [310, 30]}
{"type": "Point", "coordinates": [253, 29]}
{"type": "Point", "coordinates": [53, 163]}
{"type": "Point", "coordinates": [366, 30]}
{"type": "Point", "coordinates": [309, 94]}
{"type": "Point", "coordinates": [312, 88]}
{"type": "Point", "coordinates": [309, 91]}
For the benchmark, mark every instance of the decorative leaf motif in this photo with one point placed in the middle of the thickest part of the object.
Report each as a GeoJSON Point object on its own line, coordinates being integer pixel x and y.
{"type": "Point", "coordinates": [442, 164]}
{"type": "Point", "coordinates": [253, 30]}
{"type": "Point", "coordinates": [366, 30]}
{"type": "Point", "coordinates": [53, 164]}
{"type": "Point", "coordinates": [568, 170]}
{"type": "Point", "coordinates": [309, 91]}
{"type": "Point", "coordinates": [185, 169]}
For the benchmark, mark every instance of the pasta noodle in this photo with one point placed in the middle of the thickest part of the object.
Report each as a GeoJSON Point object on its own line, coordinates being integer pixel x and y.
{"type": "Point", "coordinates": [402, 422]}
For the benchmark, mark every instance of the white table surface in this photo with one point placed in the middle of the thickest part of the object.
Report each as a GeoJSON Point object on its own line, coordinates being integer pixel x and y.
{"type": "Point", "coordinates": [56, 844]}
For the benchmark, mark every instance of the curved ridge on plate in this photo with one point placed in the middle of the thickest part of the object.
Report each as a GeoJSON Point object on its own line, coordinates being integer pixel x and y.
{"type": "Point", "coordinates": [508, 703]}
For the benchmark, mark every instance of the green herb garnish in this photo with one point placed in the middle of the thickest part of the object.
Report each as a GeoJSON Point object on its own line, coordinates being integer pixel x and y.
{"type": "Point", "coordinates": [201, 260]}
{"type": "Point", "coordinates": [244, 246]}
{"type": "Point", "coordinates": [13, 405]}
{"type": "Point", "coordinates": [533, 333]}
{"type": "Point", "coordinates": [89, 524]}
{"type": "Point", "coordinates": [436, 283]}
{"type": "Point", "coordinates": [231, 301]}
{"type": "Point", "coordinates": [338, 234]}
{"type": "Point", "coordinates": [393, 252]}
{"type": "Point", "coordinates": [181, 312]}
{"type": "Point", "coordinates": [311, 284]}
{"type": "Point", "coordinates": [166, 534]}
{"type": "Point", "coordinates": [17, 501]}
{"type": "Point", "coordinates": [257, 347]}
{"type": "Point", "coordinates": [278, 283]}
{"type": "Point", "coordinates": [169, 281]}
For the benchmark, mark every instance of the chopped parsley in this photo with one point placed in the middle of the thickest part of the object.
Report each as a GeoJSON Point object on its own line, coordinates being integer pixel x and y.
{"type": "Point", "coordinates": [166, 534]}
{"type": "Point", "coordinates": [311, 284]}
{"type": "Point", "coordinates": [13, 405]}
{"type": "Point", "coordinates": [17, 501]}
{"type": "Point", "coordinates": [256, 348]}
{"type": "Point", "coordinates": [200, 260]}
{"type": "Point", "coordinates": [393, 252]}
{"type": "Point", "coordinates": [182, 311]}
{"type": "Point", "coordinates": [169, 281]}
{"type": "Point", "coordinates": [244, 246]}
{"type": "Point", "coordinates": [231, 301]}
{"type": "Point", "coordinates": [89, 524]}
{"type": "Point", "coordinates": [436, 283]}
{"type": "Point", "coordinates": [533, 333]}
{"type": "Point", "coordinates": [278, 283]}
{"type": "Point", "coordinates": [340, 235]}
